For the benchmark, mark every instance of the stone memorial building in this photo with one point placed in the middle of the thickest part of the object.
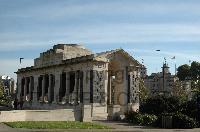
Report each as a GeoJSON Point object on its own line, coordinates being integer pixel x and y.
{"type": "Point", "coordinates": [71, 77]}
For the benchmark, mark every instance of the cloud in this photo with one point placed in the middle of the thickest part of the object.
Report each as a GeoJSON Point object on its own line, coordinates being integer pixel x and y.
{"type": "Point", "coordinates": [152, 55]}
{"type": "Point", "coordinates": [107, 33]}
{"type": "Point", "coordinates": [61, 9]}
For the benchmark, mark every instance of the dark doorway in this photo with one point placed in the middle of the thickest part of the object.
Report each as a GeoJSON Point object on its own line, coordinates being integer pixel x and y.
{"type": "Point", "coordinates": [72, 82]}
{"type": "Point", "coordinates": [27, 85]}
{"type": "Point", "coordinates": [46, 77]}
{"type": "Point", "coordinates": [39, 90]}
{"type": "Point", "coordinates": [81, 87]}
{"type": "Point", "coordinates": [22, 86]}
{"type": "Point", "coordinates": [32, 87]}
{"type": "Point", "coordinates": [62, 90]}
{"type": "Point", "coordinates": [52, 82]}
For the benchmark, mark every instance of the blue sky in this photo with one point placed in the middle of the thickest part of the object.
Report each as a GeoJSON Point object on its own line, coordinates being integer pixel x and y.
{"type": "Point", "coordinates": [29, 27]}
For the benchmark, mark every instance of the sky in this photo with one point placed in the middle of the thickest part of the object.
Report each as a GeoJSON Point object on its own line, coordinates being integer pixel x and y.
{"type": "Point", "coordinates": [140, 27]}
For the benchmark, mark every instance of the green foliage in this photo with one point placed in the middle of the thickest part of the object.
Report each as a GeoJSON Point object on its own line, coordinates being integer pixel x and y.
{"type": "Point", "coordinates": [189, 108]}
{"type": "Point", "coordinates": [160, 104]}
{"type": "Point", "coordinates": [190, 72]}
{"type": "Point", "coordinates": [55, 125]}
{"type": "Point", "coordinates": [143, 91]}
{"type": "Point", "coordinates": [183, 121]}
{"type": "Point", "coordinates": [184, 113]}
{"type": "Point", "coordinates": [179, 121]}
{"type": "Point", "coordinates": [129, 116]}
{"type": "Point", "coordinates": [195, 70]}
{"type": "Point", "coordinates": [140, 119]}
{"type": "Point", "coordinates": [3, 99]}
{"type": "Point", "coordinates": [149, 119]}
{"type": "Point", "coordinates": [179, 91]}
{"type": "Point", "coordinates": [1, 88]}
{"type": "Point", "coordinates": [183, 72]}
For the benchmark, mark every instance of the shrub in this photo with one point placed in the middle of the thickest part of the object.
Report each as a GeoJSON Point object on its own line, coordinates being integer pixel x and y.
{"type": "Point", "coordinates": [178, 121]}
{"type": "Point", "coordinates": [149, 119]}
{"type": "Point", "coordinates": [140, 119]}
{"type": "Point", "coordinates": [130, 115]}
{"type": "Point", "coordinates": [189, 108]}
{"type": "Point", "coordinates": [160, 104]}
{"type": "Point", "coordinates": [183, 121]}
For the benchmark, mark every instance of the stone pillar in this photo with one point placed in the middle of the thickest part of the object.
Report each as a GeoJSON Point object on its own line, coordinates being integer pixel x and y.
{"type": "Point", "coordinates": [106, 87]}
{"type": "Point", "coordinates": [86, 87]}
{"type": "Point", "coordinates": [35, 90]}
{"type": "Point", "coordinates": [57, 86]}
{"type": "Point", "coordinates": [77, 87]}
{"type": "Point", "coordinates": [49, 88]}
{"type": "Point", "coordinates": [86, 111]}
{"type": "Point", "coordinates": [67, 87]}
{"type": "Point", "coordinates": [43, 87]}
{"type": "Point", "coordinates": [19, 85]}
{"type": "Point", "coordinates": [25, 88]}
{"type": "Point", "coordinates": [29, 87]}
{"type": "Point", "coordinates": [126, 89]}
{"type": "Point", "coordinates": [73, 97]}
{"type": "Point", "coordinates": [110, 90]}
{"type": "Point", "coordinates": [81, 81]}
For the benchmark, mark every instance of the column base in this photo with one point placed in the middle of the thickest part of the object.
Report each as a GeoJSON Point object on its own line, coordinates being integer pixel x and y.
{"type": "Point", "coordinates": [114, 112]}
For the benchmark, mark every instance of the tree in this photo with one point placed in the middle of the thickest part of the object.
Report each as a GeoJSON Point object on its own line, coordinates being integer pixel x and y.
{"type": "Point", "coordinates": [183, 72]}
{"type": "Point", "coordinates": [143, 91]}
{"type": "Point", "coordinates": [195, 70]}
{"type": "Point", "coordinates": [3, 99]}
{"type": "Point", "coordinates": [179, 91]}
{"type": "Point", "coordinates": [160, 104]}
{"type": "Point", "coordinates": [1, 88]}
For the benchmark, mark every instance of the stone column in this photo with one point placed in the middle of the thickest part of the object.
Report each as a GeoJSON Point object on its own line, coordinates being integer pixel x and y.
{"type": "Point", "coordinates": [49, 88]}
{"type": "Point", "coordinates": [86, 88]}
{"type": "Point", "coordinates": [73, 98]}
{"type": "Point", "coordinates": [110, 89]}
{"type": "Point", "coordinates": [29, 87]}
{"type": "Point", "coordinates": [106, 87]}
{"type": "Point", "coordinates": [57, 86]}
{"type": "Point", "coordinates": [35, 91]}
{"type": "Point", "coordinates": [25, 88]}
{"type": "Point", "coordinates": [19, 85]}
{"type": "Point", "coordinates": [32, 87]}
{"type": "Point", "coordinates": [43, 87]}
{"type": "Point", "coordinates": [77, 87]}
{"type": "Point", "coordinates": [67, 87]}
{"type": "Point", "coordinates": [126, 85]}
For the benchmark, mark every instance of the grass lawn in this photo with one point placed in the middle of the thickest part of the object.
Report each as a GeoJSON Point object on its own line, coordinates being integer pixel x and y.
{"type": "Point", "coordinates": [55, 125]}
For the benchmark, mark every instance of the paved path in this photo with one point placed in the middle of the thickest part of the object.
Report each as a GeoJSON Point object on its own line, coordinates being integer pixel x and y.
{"type": "Point", "coordinates": [118, 127]}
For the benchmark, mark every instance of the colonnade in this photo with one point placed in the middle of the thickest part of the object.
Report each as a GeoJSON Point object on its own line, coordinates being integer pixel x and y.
{"type": "Point", "coordinates": [63, 87]}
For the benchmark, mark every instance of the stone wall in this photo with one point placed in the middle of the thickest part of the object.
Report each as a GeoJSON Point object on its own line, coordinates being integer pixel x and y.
{"type": "Point", "coordinates": [78, 113]}
{"type": "Point", "coordinates": [60, 52]}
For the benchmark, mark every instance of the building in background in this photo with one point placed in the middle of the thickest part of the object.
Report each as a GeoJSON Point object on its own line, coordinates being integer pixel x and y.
{"type": "Point", "coordinates": [8, 85]}
{"type": "Point", "coordinates": [164, 83]}
{"type": "Point", "coordinates": [143, 72]}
